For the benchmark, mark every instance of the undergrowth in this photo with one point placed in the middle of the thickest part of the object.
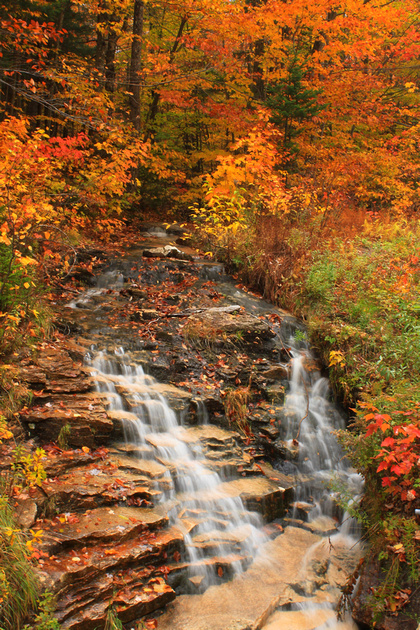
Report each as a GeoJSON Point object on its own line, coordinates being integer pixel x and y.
{"type": "Point", "coordinates": [19, 584]}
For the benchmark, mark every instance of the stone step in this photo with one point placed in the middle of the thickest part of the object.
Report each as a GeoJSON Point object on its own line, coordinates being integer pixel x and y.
{"type": "Point", "coordinates": [323, 525]}
{"type": "Point", "coordinates": [133, 593]}
{"type": "Point", "coordinates": [71, 569]}
{"type": "Point", "coordinates": [142, 451]}
{"type": "Point", "coordinates": [99, 484]}
{"type": "Point", "coordinates": [84, 415]}
{"type": "Point", "coordinates": [301, 510]}
{"type": "Point", "coordinates": [193, 577]}
{"type": "Point", "coordinates": [216, 540]}
{"type": "Point", "coordinates": [147, 467]}
{"type": "Point", "coordinates": [211, 435]}
{"type": "Point", "coordinates": [101, 525]}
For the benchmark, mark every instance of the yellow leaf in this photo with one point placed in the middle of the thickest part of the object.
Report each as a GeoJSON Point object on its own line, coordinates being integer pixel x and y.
{"type": "Point", "coordinates": [26, 285]}
{"type": "Point", "coordinates": [25, 261]}
{"type": "Point", "coordinates": [336, 357]}
{"type": "Point", "coordinates": [5, 434]}
{"type": "Point", "coordinates": [13, 318]}
{"type": "Point", "coordinates": [85, 449]}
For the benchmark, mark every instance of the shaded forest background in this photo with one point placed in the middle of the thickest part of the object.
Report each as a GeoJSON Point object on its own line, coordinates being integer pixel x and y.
{"type": "Point", "coordinates": [287, 133]}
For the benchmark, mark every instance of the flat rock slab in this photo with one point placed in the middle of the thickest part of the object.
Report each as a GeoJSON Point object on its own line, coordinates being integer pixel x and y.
{"type": "Point", "coordinates": [96, 485]}
{"type": "Point", "coordinates": [59, 461]}
{"type": "Point", "coordinates": [54, 371]}
{"type": "Point", "coordinates": [239, 324]}
{"type": "Point", "coordinates": [101, 525]}
{"type": "Point", "coordinates": [131, 592]}
{"type": "Point", "coordinates": [310, 619]}
{"type": "Point", "coordinates": [71, 567]}
{"type": "Point", "coordinates": [259, 494]}
{"type": "Point", "coordinates": [147, 467]}
{"type": "Point", "coordinates": [84, 415]}
{"type": "Point", "coordinates": [250, 598]}
{"type": "Point", "coordinates": [208, 433]}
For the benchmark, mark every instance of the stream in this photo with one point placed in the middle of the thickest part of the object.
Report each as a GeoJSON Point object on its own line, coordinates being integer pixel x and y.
{"type": "Point", "coordinates": [219, 509]}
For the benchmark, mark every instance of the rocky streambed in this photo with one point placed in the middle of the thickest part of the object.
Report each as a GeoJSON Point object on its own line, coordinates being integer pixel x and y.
{"type": "Point", "coordinates": [188, 449]}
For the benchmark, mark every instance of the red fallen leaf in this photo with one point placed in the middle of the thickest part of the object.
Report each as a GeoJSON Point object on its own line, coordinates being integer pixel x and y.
{"type": "Point", "coordinates": [177, 556]}
{"type": "Point", "coordinates": [151, 624]}
{"type": "Point", "coordinates": [220, 572]}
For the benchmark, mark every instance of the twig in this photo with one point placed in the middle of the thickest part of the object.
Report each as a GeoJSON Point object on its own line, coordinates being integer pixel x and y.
{"type": "Point", "coordinates": [307, 410]}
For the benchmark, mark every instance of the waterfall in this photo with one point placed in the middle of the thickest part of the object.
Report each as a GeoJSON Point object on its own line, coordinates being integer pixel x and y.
{"type": "Point", "coordinates": [221, 525]}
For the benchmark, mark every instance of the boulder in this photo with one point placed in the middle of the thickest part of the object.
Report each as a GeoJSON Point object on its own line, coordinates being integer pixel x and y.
{"type": "Point", "coordinates": [168, 251]}
{"type": "Point", "coordinates": [235, 324]}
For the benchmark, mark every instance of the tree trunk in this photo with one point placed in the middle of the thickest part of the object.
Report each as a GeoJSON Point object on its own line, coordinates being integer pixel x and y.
{"type": "Point", "coordinates": [136, 64]}
{"type": "Point", "coordinates": [153, 109]}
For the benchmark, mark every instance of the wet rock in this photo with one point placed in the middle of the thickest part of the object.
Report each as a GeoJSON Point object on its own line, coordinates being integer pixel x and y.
{"type": "Point", "coordinates": [275, 393]}
{"type": "Point", "coordinates": [148, 314]}
{"type": "Point", "coordinates": [248, 601]}
{"type": "Point", "coordinates": [97, 485]}
{"type": "Point", "coordinates": [100, 525]}
{"type": "Point", "coordinates": [135, 292]}
{"type": "Point", "coordinates": [54, 371]}
{"type": "Point", "coordinates": [285, 450]}
{"type": "Point", "coordinates": [84, 415]}
{"type": "Point", "coordinates": [236, 325]}
{"type": "Point", "coordinates": [83, 275]}
{"type": "Point", "coordinates": [322, 526]}
{"type": "Point", "coordinates": [147, 467]}
{"type": "Point", "coordinates": [277, 373]}
{"type": "Point", "coordinates": [259, 495]}
{"type": "Point", "coordinates": [176, 229]}
{"type": "Point", "coordinates": [301, 510]}
{"type": "Point", "coordinates": [25, 511]}
{"type": "Point", "coordinates": [131, 594]}
{"type": "Point", "coordinates": [168, 251]}
{"type": "Point", "coordinates": [58, 460]}
{"type": "Point", "coordinates": [270, 431]}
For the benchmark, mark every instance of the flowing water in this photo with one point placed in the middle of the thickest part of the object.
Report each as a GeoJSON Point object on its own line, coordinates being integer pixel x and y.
{"type": "Point", "coordinates": [194, 489]}
{"type": "Point", "coordinates": [215, 523]}
{"type": "Point", "coordinates": [312, 421]}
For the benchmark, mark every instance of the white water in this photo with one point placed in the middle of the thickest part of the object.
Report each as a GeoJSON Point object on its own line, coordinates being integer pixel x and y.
{"type": "Point", "coordinates": [312, 421]}
{"type": "Point", "coordinates": [193, 487]}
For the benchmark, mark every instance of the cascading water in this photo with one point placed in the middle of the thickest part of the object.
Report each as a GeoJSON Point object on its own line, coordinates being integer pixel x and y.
{"type": "Point", "coordinates": [215, 524]}
{"type": "Point", "coordinates": [311, 421]}
{"type": "Point", "coordinates": [193, 487]}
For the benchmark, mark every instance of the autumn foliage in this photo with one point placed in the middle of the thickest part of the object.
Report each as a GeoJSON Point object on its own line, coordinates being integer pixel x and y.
{"type": "Point", "coordinates": [288, 130]}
